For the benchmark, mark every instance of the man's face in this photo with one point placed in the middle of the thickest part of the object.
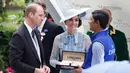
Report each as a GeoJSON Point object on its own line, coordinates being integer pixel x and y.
{"type": "Point", "coordinates": [92, 23]}
{"type": "Point", "coordinates": [39, 16]}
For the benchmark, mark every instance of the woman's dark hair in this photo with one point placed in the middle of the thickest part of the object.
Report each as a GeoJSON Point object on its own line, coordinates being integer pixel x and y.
{"type": "Point", "coordinates": [102, 17]}
{"type": "Point", "coordinates": [80, 23]}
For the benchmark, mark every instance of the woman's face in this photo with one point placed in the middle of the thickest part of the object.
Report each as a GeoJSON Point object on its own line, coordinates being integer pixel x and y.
{"type": "Point", "coordinates": [73, 22]}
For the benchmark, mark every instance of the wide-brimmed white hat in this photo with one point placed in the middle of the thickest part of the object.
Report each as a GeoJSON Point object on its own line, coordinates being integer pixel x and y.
{"type": "Point", "coordinates": [109, 67]}
{"type": "Point", "coordinates": [66, 10]}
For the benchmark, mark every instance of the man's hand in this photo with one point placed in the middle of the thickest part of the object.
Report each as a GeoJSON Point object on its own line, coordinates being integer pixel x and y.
{"type": "Point", "coordinates": [38, 70]}
{"type": "Point", "coordinates": [78, 70]}
{"type": "Point", "coordinates": [46, 69]}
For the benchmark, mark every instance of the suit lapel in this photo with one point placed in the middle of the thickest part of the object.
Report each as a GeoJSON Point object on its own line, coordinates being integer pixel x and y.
{"type": "Point", "coordinates": [30, 42]}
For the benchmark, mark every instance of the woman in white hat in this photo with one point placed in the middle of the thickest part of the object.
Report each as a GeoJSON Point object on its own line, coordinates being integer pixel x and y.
{"type": "Point", "coordinates": [71, 40]}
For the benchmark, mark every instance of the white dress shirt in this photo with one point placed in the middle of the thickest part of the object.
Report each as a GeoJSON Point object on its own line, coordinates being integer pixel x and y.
{"type": "Point", "coordinates": [35, 41]}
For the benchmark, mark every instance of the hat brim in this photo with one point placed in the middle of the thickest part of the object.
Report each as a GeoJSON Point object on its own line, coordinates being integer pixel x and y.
{"type": "Point", "coordinates": [75, 14]}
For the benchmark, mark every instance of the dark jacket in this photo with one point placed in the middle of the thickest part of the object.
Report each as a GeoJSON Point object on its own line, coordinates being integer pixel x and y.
{"type": "Point", "coordinates": [23, 57]}
{"type": "Point", "coordinates": [120, 41]}
{"type": "Point", "coordinates": [51, 30]}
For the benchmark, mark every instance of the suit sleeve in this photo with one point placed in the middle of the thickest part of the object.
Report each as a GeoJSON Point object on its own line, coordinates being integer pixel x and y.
{"type": "Point", "coordinates": [126, 52]}
{"type": "Point", "coordinates": [16, 55]}
{"type": "Point", "coordinates": [122, 53]}
{"type": "Point", "coordinates": [55, 52]}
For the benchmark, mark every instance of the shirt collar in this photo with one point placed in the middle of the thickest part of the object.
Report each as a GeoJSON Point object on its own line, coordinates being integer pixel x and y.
{"type": "Point", "coordinates": [28, 27]}
{"type": "Point", "coordinates": [74, 35]}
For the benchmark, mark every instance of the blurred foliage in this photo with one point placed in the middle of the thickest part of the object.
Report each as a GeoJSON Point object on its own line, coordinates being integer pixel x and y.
{"type": "Point", "coordinates": [3, 14]}
{"type": "Point", "coordinates": [19, 3]}
{"type": "Point", "coordinates": [16, 18]}
{"type": "Point", "coordinates": [4, 10]}
{"type": "Point", "coordinates": [27, 1]}
{"type": "Point", "coordinates": [6, 32]}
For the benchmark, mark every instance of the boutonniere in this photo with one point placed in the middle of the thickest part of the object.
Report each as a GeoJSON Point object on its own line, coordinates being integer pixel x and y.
{"type": "Point", "coordinates": [43, 34]}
